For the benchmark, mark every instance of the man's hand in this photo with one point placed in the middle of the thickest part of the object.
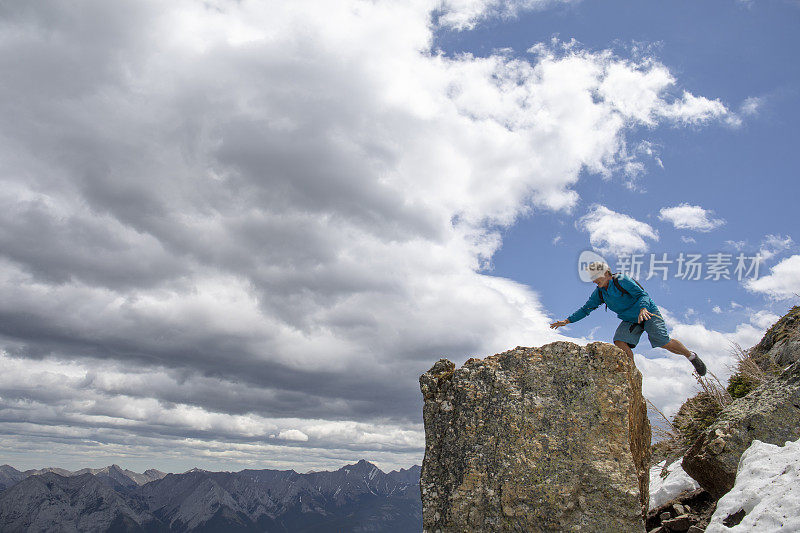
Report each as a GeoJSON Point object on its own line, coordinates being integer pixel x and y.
{"type": "Point", "coordinates": [644, 314]}
{"type": "Point", "coordinates": [556, 325]}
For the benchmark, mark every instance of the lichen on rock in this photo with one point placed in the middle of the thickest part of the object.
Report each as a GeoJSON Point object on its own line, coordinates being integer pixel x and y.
{"type": "Point", "coordinates": [536, 439]}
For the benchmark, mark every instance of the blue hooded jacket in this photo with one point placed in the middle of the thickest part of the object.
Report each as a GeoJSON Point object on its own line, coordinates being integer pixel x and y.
{"type": "Point", "coordinates": [627, 306]}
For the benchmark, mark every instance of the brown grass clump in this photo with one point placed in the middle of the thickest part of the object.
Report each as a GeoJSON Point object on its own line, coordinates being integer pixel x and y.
{"type": "Point", "coordinates": [696, 414]}
{"type": "Point", "coordinates": [752, 368]}
{"type": "Point", "coordinates": [669, 445]}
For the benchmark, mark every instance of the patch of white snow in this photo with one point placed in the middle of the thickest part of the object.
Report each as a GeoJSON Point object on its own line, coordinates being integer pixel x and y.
{"type": "Point", "coordinates": [767, 488]}
{"type": "Point", "coordinates": [677, 481]}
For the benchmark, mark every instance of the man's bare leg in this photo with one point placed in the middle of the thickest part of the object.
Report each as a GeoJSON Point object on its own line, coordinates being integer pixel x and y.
{"type": "Point", "coordinates": [625, 348]}
{"type": "Point", "coordinates": [676, 346]}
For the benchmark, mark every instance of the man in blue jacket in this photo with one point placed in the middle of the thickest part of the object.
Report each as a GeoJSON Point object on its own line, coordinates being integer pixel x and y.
{"type": "Point", "coordinates": [637, 311]}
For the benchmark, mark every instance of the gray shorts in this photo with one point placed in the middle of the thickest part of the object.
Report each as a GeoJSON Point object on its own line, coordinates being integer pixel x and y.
{"type": "Point", "coordinates": [654, 326]}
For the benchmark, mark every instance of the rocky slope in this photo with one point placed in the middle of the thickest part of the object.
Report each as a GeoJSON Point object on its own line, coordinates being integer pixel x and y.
{"type": "Point", "coordinates": [781, 343]}
{"type": "Point", "coordinates": [767, 416]}
{"type": "Point", "coordinates": [50, 502]}
{"type": "Point", "coordinates": [536, 439]}
{"type": "Point", "coordinates": [9, 476]}
{"type": "Point", "coordinates": [770, 413]}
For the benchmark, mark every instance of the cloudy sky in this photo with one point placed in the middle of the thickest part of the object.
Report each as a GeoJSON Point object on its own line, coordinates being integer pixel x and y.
{"type": "Point", "coordinates": [234, 233]}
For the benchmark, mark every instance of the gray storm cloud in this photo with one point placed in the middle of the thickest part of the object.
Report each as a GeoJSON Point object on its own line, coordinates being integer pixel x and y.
{"type": "Point", "coordinates": [225, 222]}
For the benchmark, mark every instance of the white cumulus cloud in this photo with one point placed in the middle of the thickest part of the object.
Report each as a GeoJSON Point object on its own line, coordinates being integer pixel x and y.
{"type": "Point", "coordinates": [773, 244]}
{"type": "Point", "coordinates": [293, 434]}
{"type": "Point", "coordinates": [617, 233]}
{"type": "Point", "coordinates": [686, 216]}
{"type": "Point", "coordinates": [782, 282]}
{"type": "Point", "coordinates": [465, 14]}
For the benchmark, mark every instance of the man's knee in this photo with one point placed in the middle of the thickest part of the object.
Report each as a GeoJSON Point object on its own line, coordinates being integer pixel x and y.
{"type": "Point", "coordinates": [623, 345]}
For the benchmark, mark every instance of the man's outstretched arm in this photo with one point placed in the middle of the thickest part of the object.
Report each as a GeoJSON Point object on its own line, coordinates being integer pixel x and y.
{"type": "Point", "coordinates": [591, 304]}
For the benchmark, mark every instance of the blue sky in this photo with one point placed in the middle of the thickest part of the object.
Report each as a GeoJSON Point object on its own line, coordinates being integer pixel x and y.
{"type": "Point", "coordinates": [733, 51]}
{"type": "Point", "coordinates": [233, 234]}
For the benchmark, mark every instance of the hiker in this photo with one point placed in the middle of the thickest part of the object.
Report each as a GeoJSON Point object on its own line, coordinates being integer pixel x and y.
{"type": "Point", "coordinates": [634, 307]}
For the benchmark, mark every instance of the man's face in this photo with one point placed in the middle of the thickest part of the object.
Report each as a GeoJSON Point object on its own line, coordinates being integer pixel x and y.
{"type": "Point", "coordinates": [603, 281]}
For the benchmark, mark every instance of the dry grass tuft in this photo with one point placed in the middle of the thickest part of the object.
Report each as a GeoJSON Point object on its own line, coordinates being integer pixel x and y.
{"type": "Point", "coordinates": [669, 445]}
{"type": "Point", "coordinates": [713, 389]}
{"type": "Point", "coordinates": [749, 370]}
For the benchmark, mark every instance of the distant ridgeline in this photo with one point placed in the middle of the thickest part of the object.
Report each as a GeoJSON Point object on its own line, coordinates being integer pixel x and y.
{"type": "Point", "coordinates": [358, 497]}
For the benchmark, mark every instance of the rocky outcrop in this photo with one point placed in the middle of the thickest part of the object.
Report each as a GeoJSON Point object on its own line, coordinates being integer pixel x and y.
{"type": "Point", "coordinates": [770, 413]}
{"type": "Point", "coordinates": [780, 345]}
{"type": "Point", "coordinates": [536, 439]}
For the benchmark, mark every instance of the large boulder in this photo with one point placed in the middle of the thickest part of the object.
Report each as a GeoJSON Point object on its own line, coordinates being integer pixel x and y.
{"type": "Point", "coordinates": [536, 439]}
{"type": "Point", "coordinates": [770, 413]}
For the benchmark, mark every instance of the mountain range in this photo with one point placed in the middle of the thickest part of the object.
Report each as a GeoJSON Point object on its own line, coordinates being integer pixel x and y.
{"type": "Point", "coordinates": [356, 497]}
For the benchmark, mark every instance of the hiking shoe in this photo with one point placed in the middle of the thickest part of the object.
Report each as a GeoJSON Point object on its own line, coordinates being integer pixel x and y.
{"type": "Point", "coordinates": [698, 365]}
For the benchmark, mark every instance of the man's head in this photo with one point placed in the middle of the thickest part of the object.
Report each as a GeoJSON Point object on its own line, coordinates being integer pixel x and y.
{"type": "Point", "coordinates": [600, 273]}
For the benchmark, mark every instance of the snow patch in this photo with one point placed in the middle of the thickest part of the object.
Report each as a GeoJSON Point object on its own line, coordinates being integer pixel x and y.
{"type": "Point", "coordinates": [677, 481]}
{"type": "Point", "coordinates": [767, 488]}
